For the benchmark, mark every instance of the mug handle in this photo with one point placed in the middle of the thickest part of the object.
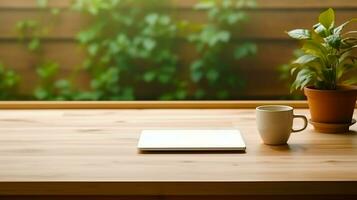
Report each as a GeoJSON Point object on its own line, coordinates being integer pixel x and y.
{"type": "Point", "coordinates": [305, 122]}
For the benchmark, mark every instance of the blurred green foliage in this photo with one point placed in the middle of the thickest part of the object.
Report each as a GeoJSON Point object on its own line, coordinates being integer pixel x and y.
{"type": "Point", "coordinates": [212, 71]}
{"type": "Point", "coordinates": [48, 86]}
{"type": "Point", "coordinates": [135, 44]}
{"type": "Point", "coordinates": [284, 71]}
{"type": "Point", "coordinates": [128, 47]}
{"type": "Point", "coordinates": [9, 81]}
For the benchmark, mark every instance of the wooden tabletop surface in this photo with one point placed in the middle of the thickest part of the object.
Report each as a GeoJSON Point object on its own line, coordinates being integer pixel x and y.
{"type": "Point", "coordinates": [75, 151]}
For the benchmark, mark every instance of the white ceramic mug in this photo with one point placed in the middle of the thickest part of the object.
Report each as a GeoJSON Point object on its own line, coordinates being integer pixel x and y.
{"type": "Point", "coordinates": [275, 123]}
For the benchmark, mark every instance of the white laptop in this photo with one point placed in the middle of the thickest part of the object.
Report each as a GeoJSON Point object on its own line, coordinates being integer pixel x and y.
{"type": "Point", "coordinates": [191, 140]}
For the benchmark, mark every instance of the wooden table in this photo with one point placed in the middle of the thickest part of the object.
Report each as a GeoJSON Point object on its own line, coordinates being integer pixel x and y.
{"type": "Point", "coordinates": [93, 152]}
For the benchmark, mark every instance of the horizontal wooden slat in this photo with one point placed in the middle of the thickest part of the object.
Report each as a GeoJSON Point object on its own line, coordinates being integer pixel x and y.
{"type": "Point", "coordinates": [26, 4]}
{"type": "Point", "coordinates": [185, 4]}
{"type": "Point", "coordinates": [63, 27]}
{"type": "Point", "coordinates": [265, 25]}
{"type": "Point", "coordinates": [306, 4]}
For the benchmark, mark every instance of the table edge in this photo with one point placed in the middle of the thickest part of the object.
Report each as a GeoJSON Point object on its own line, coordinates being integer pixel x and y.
{"type": "Point", "coordinates": [180, 188]}
{"type": "Point", "coordinates": [145, 104]}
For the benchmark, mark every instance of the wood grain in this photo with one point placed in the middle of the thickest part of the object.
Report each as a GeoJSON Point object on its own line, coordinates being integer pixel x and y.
{"type": "Point", "coordinates": [144, 104]}
{"type": "Point", "coordinates": [271, 25]}
{"type": "Point", "coordinates": [267, 4]}
{"type": "Point", "coordinates": [185, 197]}
{"type": "Point", "coordinates": [93, 152]}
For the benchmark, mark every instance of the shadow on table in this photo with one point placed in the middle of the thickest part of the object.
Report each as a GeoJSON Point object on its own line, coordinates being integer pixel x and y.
{"type": "Point", "coordinates": [194, 152]}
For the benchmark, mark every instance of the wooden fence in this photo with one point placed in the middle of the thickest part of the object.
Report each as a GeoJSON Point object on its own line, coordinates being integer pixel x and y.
{"type": "Point", "coordinates": [266, 27]}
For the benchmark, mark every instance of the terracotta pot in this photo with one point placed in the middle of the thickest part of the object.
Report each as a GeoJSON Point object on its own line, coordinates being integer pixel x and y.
{"type": "Point", "coordinates": [332, 106]}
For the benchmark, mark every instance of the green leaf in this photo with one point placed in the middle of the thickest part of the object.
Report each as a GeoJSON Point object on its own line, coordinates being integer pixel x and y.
{"type": "Point", "coordinates": [303, 78]}
{"type": "Point", "coordinates": [293, 70]}
{"type": "Point", "coordinates": [196, 76]}
{"type": "Point", "coordinates": [327, 79]}
{"type": "Point", "coordinates": [212, 75]}
{"type": "Point", "coordinates": [305, 59]}
{"type": "Point", "coordinates": [314, 48]}
{"type": "Point", "coordinates": [300, 34]}
{"type": "Point", "coordinates": [204, 5]}
{"type": "Point", "coordinates": [223, 36]}
{"type": "Point", "coordinates": [149, 44]}
{"type": "Point", "coordinates": [227, 3]}
{"type": "Point", "coordinates": [164, 78]}
{"type": "Point", "coordinates": [235, 17]}
{"type": "Point", "coordinates": [152, 18]}
{"type": "Point", "coordinates": [47, 70]}
{"type": "Point", "coordinates": [333, 60]}
{"type": "Point", "coordinates": [41, 93]}
{"type": "Point", "coordinates": [196, 65]}
{"type": "Point", "coordinates": [339, 29]}
{"type": "Point", "coordinates": [327, 18]}
{"type": "Point", "coordinates": [62, 84]}
{"type": "Point", "coordinates": [149, 76]}
{"type": "Point", "coordinates": [350, 81]}
{"type": "Point", "coordinates": [93, 49]}
{"type": "Point", "coordinates": [42, 3]}
{"type": "Point", "coordinates": [93, 10]}
{"type": "Point", "coordinates": [246, 4]}
{"type": "Point", "coordinates": [11, 79]}
{"type": "Point", "coordinates": [341, 70]}
{"type": "Point", "coordinates": [319, 33]}
{"type": "Point", "coordinates": [347, 58]}
{"type": "Point", "coordinates": [320, 30]}
{"type": "Point", "coordinates": [164, 20]}
{"type": "Point", "coordinates": [181, 94]}
{"type": "Point", "coordinates": [91, 33]}
{"type": "Point", "coordinates": [34, 44]}
{"type": "Point", "coordinates": [55, 11]}
{"type": "Point", "coordinates": [334, 41]}
{"type": "Point", "coordinates": [244, 50]}
{"type": "Point", "coordinates": [347, 43]}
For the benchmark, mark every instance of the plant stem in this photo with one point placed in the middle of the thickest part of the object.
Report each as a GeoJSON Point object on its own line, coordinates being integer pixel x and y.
{"type": "Point", "coordinates": [334, 76]}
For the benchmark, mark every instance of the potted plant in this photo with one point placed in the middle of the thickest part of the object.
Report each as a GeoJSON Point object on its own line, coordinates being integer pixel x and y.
{"type": "Point", "coordinates": [326, 71]}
